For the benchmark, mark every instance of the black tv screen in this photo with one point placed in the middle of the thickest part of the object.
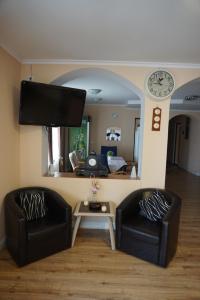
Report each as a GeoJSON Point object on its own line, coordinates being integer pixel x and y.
{"type": "Point", "coordinates": [50, 105]}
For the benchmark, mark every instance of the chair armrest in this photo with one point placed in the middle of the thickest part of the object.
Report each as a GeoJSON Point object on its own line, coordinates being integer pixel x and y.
{"type": "Point", "coordinates": [175, 206]}
{"type": "Point", "coordinates": [170, 229]}
{"type": "Point", "coordinates": [58, 207]}
{"type": "Point", "coordinates": [60, 210]}
{"type": "Point", "coordinates": [11, 204]}
{"type": "Point", "coordinates": [15, 225]}
{"type": "Point", "coordinates": [128, 207]}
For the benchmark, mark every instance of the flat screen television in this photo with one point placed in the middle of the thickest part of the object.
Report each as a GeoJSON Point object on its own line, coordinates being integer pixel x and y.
{"type": "Point", "coordinates": [50, 105]}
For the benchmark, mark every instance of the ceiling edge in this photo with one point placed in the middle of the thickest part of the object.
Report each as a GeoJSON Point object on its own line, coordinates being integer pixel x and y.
{"type": "Point", "coordinates": [12, 53]}
{"type": "Point", "coordinates": [113, 63]}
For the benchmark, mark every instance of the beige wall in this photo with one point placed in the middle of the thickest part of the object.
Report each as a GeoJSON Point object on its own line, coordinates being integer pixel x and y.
{"type": "Point", "coordinates": [190, 148]}
{"type": "Point", "coordinates": [154, 143]}
{"type": "Point", "coordinates": [31, 154]}
{"type": "Point", "coordinates": [9, 130]}
{"type": "Point", "coordinates": [30, 158]}
{"type": "Point", "coordinates": [102, 118]}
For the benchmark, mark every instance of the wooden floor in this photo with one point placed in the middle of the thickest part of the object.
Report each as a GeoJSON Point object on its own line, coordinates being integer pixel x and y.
{"type": "Point", "coordinates": [91, 270]}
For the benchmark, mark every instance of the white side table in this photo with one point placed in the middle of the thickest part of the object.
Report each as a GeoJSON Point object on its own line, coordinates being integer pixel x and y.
{"type": "Point", "coordinates": [83, 211]}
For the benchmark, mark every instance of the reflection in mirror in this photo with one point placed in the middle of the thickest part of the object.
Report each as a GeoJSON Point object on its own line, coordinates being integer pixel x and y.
{"type": "Point", "coordinates": [112, 104]}
{"type": "Point", "coordinates": [71, 146]}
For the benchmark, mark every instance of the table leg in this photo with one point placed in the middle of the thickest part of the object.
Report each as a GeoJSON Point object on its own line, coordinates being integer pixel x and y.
{"type": "Point", "coordinates": [112, 236]}
{"type": "Point", "coordinates": [78, 219]}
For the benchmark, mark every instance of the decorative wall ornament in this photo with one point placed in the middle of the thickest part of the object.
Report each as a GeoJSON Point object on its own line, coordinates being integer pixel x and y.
{"type": "Point", "coordinates": [113, 134]}
{"type": "Point", "coordinates": [156, 119]}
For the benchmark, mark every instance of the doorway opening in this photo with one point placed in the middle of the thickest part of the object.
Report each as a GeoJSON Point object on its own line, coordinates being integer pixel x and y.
{"type": "Point", "coordinates": [178, 142]}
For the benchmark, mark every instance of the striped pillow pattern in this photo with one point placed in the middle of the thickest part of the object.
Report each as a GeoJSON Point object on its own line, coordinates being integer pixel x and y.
{"type": "Point", "coordinates": [154, 207]}
{"type": "Point", "coordinates": [33, 205]}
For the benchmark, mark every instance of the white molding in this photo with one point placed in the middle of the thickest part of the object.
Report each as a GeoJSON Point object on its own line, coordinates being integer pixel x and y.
{"type": "Point", "coordinates": [112, 63]}
{"type": "Point", "coordinates": [141, 64]}
{"type": "Point", "coordinates": [176, 101]}
{"type": "Point", "coordinates": [109, 104]}
{"type": "Point", "coordinates": [12, 53]}
{"type": "Point", "coordinates": [2, 243]}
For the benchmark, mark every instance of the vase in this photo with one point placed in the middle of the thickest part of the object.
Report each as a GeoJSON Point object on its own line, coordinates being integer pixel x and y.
{"type": "Point", "coordinates": [93, 197]}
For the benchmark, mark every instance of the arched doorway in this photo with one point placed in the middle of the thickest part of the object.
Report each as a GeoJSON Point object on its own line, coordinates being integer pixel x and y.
{"type": "Point", "coordinates": [119, 104]}
{"type": "Point", "coordinates": [184, 127]}
{"type": "Point", "coordinates": [178, 134]}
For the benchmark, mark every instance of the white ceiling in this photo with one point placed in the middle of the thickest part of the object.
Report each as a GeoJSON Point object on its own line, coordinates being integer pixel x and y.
{"type": "Point", "coordinates": [128, 30]}
{"type": "Point", "coordinates": [113, 89]}
{"type": "Point", "coordinates": [160, 31]}
{"type": "Point", "coordinates": [116, 90]}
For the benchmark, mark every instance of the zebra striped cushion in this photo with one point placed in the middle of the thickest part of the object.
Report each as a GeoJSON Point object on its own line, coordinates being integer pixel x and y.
{"type": "Point", "coordinates": [33, 205]}
{"type": "Point", "coordinates": [155, 207]}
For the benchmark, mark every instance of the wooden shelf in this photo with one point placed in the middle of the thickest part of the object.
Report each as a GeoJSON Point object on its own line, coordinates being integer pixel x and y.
{"type": "Point", "coordinates": [73, 175]}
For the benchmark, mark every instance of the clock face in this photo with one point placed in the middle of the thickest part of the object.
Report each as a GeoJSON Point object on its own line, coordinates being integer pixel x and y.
{"type": "Point", "coordinates": [160, 84]}
{"type": "Point", "coordinates": [92, 162]}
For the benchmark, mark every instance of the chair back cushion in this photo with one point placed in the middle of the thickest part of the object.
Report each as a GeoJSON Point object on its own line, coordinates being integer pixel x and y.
{"type": "Point", "coordinates": [33, 204]}
{"type": "Point", "coordinates": [154, 207]}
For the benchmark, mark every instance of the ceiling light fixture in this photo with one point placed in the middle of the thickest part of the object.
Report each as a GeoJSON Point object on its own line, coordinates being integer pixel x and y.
{"type": "Point", "coordinates": [94, 91]}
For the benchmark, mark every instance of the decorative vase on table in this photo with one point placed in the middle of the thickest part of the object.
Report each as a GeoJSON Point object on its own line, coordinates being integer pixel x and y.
{"type": "Point", "coordinates": [93, 197]}
{"type": "Point", "coordinates": [95, 187]}
{"type": "Point", "coordinates": [94, 204]}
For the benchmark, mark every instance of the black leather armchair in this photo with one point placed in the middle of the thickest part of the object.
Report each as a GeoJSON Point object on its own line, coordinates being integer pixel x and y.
{"type": "Point", "coordinates": [155, 242]}
{"type": "Point", "coordinates": [28, 241]}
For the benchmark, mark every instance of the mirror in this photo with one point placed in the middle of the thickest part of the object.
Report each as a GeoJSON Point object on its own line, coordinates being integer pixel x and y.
{"type": "Point", "coordinates": [112, 104]}
{"type": "Point", "coordinates": [93, 134]}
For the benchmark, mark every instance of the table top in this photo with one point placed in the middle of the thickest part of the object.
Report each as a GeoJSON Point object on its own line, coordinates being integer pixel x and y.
{"type": "Point", "coordinates": [82, 210]}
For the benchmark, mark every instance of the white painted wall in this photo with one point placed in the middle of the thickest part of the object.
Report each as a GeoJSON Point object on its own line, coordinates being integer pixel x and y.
{"type": "Point", "coordinates": [154, 143]}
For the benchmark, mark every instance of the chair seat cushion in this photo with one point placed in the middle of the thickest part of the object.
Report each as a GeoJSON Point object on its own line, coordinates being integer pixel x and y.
{"type": "Point", "coordinates": [142, 229]}
{"type": "Point", "coordinates": [37, 229]}
{"type": "Point", "coordinates": [154, 207]}
{"type": "Point", "coordinates": [45, 237]}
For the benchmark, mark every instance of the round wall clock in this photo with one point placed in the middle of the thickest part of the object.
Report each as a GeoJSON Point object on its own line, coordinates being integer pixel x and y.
{"type": "Point", "coordinates": [160, 84]}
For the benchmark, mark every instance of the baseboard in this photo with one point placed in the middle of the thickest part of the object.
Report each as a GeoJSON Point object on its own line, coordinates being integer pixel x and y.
{"type": "Point", "coordinates": [197, 173]}
{"type": "Point", "coordinates": [191, 171]}
{"type": "Point", "coordinates": [2, 243]}
{"type": "Point", "coordinates": [194, 173]}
